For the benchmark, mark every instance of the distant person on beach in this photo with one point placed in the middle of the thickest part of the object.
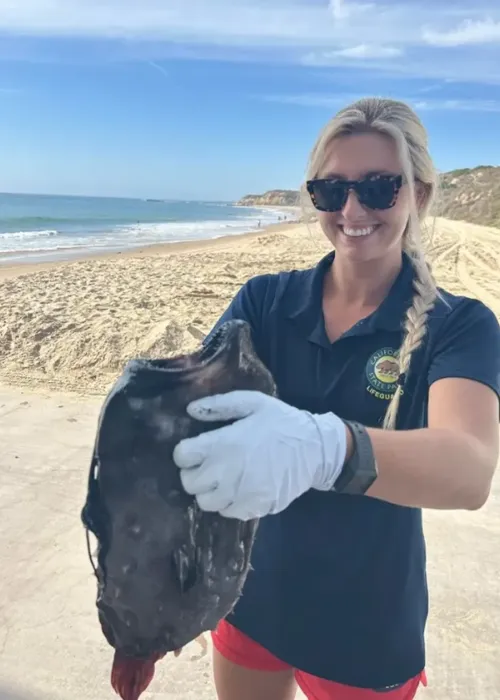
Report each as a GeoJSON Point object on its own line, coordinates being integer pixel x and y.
{"type": "Point", "coordinates": [388, 404]}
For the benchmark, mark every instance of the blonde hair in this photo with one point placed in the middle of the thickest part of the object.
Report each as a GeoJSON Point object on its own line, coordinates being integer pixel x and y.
{"type": "Point", "coordinates": [398, 121]}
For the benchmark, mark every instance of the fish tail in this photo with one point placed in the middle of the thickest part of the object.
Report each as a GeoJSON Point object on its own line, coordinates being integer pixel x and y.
{"type": "Point", "coordinates": [131, 677]}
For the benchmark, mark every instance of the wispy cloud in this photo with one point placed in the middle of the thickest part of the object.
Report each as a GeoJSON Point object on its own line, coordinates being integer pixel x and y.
{"type": "Point", "coordinates": [339, 9]}
{"type": "Point", "coordinates": [457, 105]}
{"type": "Point", "coordinates": [468, 32]}
{"type": "Point", "coordinates": [159, 68]}
{"type": "Point", "coordinates": [433, 64]}
{"type": "Point", "coordinates": [332, 101]}
{"type": "Point", "coordinates": [232, 22]}
{"type": "Point", "coordinates": [427, 37]}
{"type": "Point", "coordinates": [342, 9]}
{"type": "Point", "coordinates": [239, 22]}
{"type": "Point", "coordinates": [367, 51]}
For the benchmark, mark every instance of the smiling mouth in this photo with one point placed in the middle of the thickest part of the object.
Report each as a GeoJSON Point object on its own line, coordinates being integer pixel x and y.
{"type": "Point", "coordinates": [359, 231]}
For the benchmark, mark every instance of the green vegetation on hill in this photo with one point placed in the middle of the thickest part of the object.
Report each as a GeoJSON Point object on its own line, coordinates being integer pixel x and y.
{"type": "Point", "coordinates": [465, 194]}
{"type": "Point", "coordinates": [283, 198]}
{"type": "Point", "coordinates": [471, 194]}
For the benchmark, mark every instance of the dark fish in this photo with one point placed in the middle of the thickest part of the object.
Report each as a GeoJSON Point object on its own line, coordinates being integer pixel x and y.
{"type": "Point", "coordinates": [166, 571]}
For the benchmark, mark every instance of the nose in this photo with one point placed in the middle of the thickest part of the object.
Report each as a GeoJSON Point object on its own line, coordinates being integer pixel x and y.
{"type": "Point", "coordinates": [352, 208]}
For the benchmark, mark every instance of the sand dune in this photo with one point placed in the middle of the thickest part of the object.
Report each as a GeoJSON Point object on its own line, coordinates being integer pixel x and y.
{"type": "Point", "coordinates": [72, 326]}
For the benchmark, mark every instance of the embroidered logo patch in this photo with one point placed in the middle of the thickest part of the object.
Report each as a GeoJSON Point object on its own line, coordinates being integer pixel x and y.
{"type": "Point", "coordinates": [382, 372]}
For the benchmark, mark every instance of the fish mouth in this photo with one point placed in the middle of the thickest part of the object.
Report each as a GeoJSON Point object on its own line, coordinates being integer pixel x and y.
{"type": "Point", "coordinates": [225, 337]}
{"type": "Point", "coordinates": [233, 335]}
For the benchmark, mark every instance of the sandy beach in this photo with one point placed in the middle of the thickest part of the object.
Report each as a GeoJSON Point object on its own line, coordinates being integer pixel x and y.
{"type": "Point", "coordinates": [67, 330]}
{"type": "Point", "coordinates": [73, 325]}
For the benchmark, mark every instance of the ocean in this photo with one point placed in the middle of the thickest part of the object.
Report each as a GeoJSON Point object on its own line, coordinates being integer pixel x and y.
{"type": "Point", "coordinates": [43, 227]}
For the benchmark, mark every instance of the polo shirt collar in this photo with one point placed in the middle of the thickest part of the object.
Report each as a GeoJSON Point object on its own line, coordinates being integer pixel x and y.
{"type": "Point", "coordinates": [305, 307]}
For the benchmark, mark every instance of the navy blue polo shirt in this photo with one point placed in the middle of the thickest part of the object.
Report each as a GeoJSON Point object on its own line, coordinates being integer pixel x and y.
{"type": "Point", "coordinates": [338, 583]}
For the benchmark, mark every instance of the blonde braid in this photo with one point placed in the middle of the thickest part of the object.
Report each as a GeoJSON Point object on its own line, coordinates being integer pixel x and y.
{"type": "Point", "coordinates": [415, 327]}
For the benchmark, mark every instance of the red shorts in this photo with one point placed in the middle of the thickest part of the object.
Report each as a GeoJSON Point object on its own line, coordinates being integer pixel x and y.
{"type": "Point", "coordinates": [243, 651]}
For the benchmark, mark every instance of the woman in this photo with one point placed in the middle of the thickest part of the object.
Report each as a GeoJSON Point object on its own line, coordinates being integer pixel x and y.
{"type": "Point", "coordinates": [388, 404]}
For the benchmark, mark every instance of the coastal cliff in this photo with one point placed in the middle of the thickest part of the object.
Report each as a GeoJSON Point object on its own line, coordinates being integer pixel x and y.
{"type": "Point", "coordinates": [272, 198]}
{"type": "Point", "coordinates": [466, 194]}
{"type": "Point", "coordinates": [471, 194]}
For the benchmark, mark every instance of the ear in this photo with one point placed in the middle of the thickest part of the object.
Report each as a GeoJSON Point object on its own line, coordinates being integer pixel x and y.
{"type": "Point", "coordinates": [422, 192]}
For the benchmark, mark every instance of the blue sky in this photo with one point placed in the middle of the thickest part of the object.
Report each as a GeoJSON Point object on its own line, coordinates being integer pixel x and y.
{"type": "Point", "coordinates": [196, 99]}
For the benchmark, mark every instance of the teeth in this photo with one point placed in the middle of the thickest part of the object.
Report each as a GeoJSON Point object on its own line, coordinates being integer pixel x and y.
{"type": "Point", "coordinates": [358, 231]}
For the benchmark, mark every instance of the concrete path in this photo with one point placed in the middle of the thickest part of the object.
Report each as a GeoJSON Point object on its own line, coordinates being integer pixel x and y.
{"type": "Point", "coordinates": [50, 645]}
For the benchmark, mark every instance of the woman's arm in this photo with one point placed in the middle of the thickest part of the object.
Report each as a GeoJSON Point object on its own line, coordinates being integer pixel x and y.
{"type": "Point", "coordinates": [450, 464]}
{"type": "Point", "coordinates": [273, 452]}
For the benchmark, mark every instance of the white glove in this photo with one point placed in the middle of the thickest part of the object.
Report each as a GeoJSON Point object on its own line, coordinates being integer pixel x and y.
{"type": "Point", "coordinates": [264, 460]}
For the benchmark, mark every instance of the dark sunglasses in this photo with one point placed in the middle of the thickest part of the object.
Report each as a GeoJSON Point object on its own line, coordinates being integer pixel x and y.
{"type": "Point", "coordinates": [375, 192]}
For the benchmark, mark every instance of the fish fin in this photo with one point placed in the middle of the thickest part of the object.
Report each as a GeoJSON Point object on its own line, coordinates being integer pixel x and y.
{"type": "Point", "coordinates": [202, 641]}
{"type": "Point", "coordinates": [131, 677]}
{"type": "Point", "coordinates": [89, 514]}
{"type": "Point", "coordinates": [92, 514]}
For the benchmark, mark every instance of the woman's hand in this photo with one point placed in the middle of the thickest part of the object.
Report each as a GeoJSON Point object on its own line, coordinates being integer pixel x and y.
{"type": "Point", "coordinates": [259, 464]}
